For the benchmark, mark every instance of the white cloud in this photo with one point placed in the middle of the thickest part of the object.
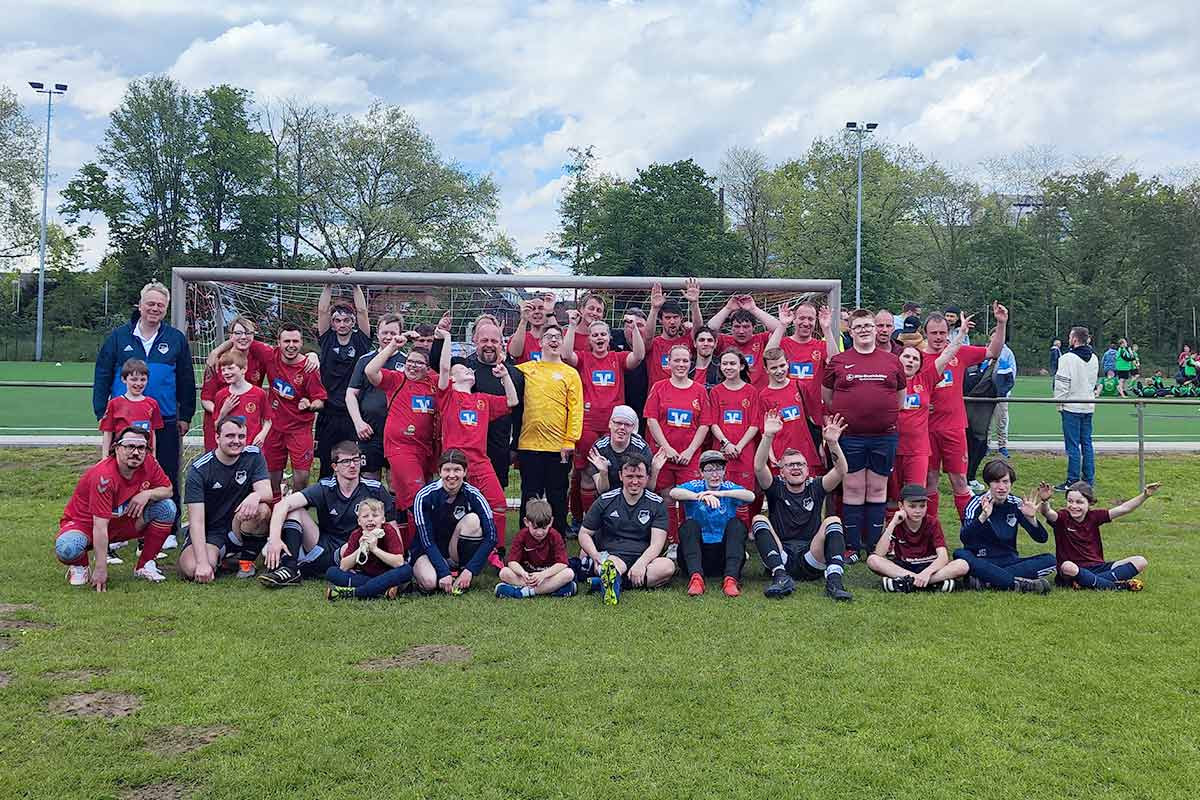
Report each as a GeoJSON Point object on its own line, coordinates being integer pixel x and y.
{"type": "Point", "coordinates": [95, 85]}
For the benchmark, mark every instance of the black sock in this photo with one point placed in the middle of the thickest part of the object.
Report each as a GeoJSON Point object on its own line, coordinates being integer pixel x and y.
{"type": "Point", "coordinates": [767, 549]}
{"type": "Point", "coordinates": [835, 546]}
{"type": "Point", "coordinates": [873, 524]}
{"type": "Point", "coordinates": [293, 537]}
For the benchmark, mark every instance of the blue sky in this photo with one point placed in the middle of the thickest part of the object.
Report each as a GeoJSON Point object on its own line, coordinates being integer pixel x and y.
{"type": "Point", "coordinates": [507, 87]}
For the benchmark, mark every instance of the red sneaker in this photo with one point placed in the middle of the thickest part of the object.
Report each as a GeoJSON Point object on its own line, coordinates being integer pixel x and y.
{"type": "Point", "coordinates": [494, 560]}
{"type": "Point", "coordinates": [730, 587]}
{"type": "Point", "coordinates": [696, 585]}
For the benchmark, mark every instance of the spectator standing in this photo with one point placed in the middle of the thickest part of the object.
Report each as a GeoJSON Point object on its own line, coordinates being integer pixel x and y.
{"type": "Point", "coordinates": [1005, 379]}
{"type": "Point", "coordinates": [1055, 355]}
{"type": "Point", "coordinates": [1109, 360]}
{"type": "Point", "coordinates": [1075, 388]}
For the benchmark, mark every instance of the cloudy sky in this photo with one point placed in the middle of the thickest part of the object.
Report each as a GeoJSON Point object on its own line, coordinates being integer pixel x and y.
{"type": "Point", "coordinates": [507, 87]}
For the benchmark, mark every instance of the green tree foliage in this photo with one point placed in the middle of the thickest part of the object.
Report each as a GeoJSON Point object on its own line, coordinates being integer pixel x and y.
{"type": "Point", "coordinates": [579, 210]}
{"type": "Point", "coordinates": [20, 168]}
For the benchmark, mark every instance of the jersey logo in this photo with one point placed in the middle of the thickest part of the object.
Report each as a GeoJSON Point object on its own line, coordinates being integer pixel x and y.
{"type": "Point", "coordinates": [103, 485]}
{"type": "Point", "coordinates": [749, 358]}
{"type": "Point", "coordinates": [604, 377]}
{"type": "Point", "coordinates": [468, 417]}
{"type": "Point", "coordinates": [664, 361]}
{"type": "Point", "coordinates": [422, 403]}
{"type": "Point", "coordinates": [333, 512]}
{"type": "Point", "coordinates": [1011, 519]}
{"type": "Point", "coordinates": [128, 348]}
{"type": "Point", "coordinates": [141, 424]}
{"type": "Point", "coordinates": [912, 400]}
{"type": "Point", "coordinates": [459, 512]}
{"type": "Point", "coordinates": [240, 476]}
{"type": "Point", "coordinates": [732, 417]}
{"type": "Point", "coordinates": [350, 352]}
{"type": "Point", "coordinates": [801, 370]}
{"type": "Point", "coordinates": [283, 388]}
{"type": "Point", "coordinates": [614, 515]}
{"type": "Point", "coordinates": [643, 516]}
{"type": "Point", "coordinates": [679, 417]}
{"type": "Point", "coordinates": [163, 347]}
{"type": "Point", "coordinates": [808, 504]}
{"type": "Point", "coordinates": [217, 485]}
{"type": "Point", "coordinates": [250, 408]}
{"type": "Point", "coordinates": [947, 379]}
{"type": "Point", "coordinates": [536, 355]}
{"type": "Point", "coordinates": [790, 413]}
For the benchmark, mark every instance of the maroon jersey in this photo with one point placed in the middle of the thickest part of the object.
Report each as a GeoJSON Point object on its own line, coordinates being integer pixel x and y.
{"type": "Point", "coordinates": [919, 546]}
{"type": "Point", "coordinates": [788, 401]}
{"type": "Point", "coordinates": [289, 383]}
{"type": "Point", "coordinates": [806, 366]}
{"type": "Point", "coordinates": [102, 491]}
{"type": "Point", "coordinates": [865, 387]}
{"type": "Point", "coordinates": [603, 379]}
{"type": "Point", "coordinates": [411, 413]}
{"type": "Point", "coordinates": [252, 405]}
{"type": "Point", "coordinates": [680, 412]}
{"type": "Point", "coordinates": [533, 555]}
{"type": "Point", "coordinates": [949, 412]}
{"type": "Point", "coordinates": [1080, 541]}
{"type": "Point", "coordinates": [752, 350]}
{"type": "Point", "coordinates": [124, 413]}
{"type": "Point", "coordinates": [390, 542]}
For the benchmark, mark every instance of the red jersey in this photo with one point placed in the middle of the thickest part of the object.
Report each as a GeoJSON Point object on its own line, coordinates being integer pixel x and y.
{"type": "Point", "coordinates": [411, 412]}
{"type": "Point", "coordinates": [806, 366]}
{"type": "Point", "coordinates": [465, 417]}
{"type": "Point", "coordinates": [289, 383]}
{"type": "Point", "coordinates": [390, 542]}
{"type": "Point", "coordinates": [949, 412]}
{"type": "Point", "coordinates": [252, 405]}
{"type": "Point", "coordinates": [123, 413]}
{"type": "Point", "coordinates": [582, 342]}
{"type": "Point", "coordinates": [103, 492]}
{"type": "Point", "coordinates": [913, 422]}
{"type": "Point", "coordinates": [258, 358]}
{"type": "Point", "coordinates": [1080, 541]}
{"type": "Point", "coordinates": [788, 401]}
{"type": "Point", "coordinates": [603, 379]}
{"type": "Point", "coordinates": [865, 387]}
{"type": "Point", "coordinates": [533, 348]}
{"type": "Point", "coordinates": [919, 546]}
{"type": "Point", "coordinates": [736, 411]}
{"type": "Point", "coordinates": [657, 366]}
{"type": "Point", "coordinates": [533, 555]}
{"type": "Point", "coordinates": [752, 350]}
{"type": "Point", "coordinates": [680, 412]}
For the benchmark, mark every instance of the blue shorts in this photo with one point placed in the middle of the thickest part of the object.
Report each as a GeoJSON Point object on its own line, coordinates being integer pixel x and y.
{"type": "Point", "coordinates": [876, 453]}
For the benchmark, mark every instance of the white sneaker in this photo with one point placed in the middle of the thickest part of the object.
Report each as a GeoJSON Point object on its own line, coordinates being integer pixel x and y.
{"type": "Point", "coordinates": [977, 487]}
{"type": "Point", "coordinates": [78, 576]}
{"type": "Point", "coordinates": [170, 543]}
{"type": "Point", "coordinates": [113, 558]}
{"type": "Point", "coordinates": [119, 545]}
{"type": "Point", "coordinates": [673, 552]}
{"type": "Point", "coordinates": [150, 572]}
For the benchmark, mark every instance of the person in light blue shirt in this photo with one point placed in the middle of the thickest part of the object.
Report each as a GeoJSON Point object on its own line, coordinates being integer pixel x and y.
{"type": "Point", "coordinates": [712, 541]}
{"type": "Point", "coordinates": [1005, 379]}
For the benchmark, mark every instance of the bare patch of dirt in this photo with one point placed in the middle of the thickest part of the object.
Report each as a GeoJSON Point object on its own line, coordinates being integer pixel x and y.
{"type": "Point", "coordinates": [180, 739]}
{"type": "Point", "coordinates": [8, 608]}
{"type": "Point", "coordinates": [418, 655]}
{"type": "Point", "coordinates": [105, 705]}
{"type": "Point", "coordinates": [24, 625]}
{"type": "Point", "coordinates": [5, 679]}
{"type": "Point", "coordinates": [6, 644]}
{"type": "Point", "coordinates": [159, 791]}
{"type": "Point", "coordinates": [75, 674]}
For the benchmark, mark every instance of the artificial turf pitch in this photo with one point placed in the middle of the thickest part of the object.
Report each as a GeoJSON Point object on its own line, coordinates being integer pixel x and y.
{"type": "Point", "coordinates": [971, 695]}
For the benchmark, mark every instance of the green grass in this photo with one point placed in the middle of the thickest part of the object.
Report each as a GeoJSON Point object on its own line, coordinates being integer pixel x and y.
{"type": "Point", "coordinates": [979, 695]}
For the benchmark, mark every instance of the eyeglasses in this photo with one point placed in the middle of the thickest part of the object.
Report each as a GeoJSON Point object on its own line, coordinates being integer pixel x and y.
{"type": "Point", "coordinates": [712, 468]}
{"type": "Point", "coordinates": [360, 460]}
{"type": "Point", "coordinates": [857, 328]}
{"type": "Point", "coordinates": [795, 465]}
{"type": "Point", "coordinates": [137, 448]}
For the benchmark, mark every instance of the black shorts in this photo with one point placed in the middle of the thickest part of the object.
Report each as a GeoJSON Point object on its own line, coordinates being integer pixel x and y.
{"type": "Point", "coordinates": [245, 546]}
{"type": "Point", "coordinates": [876, 453]}
{"type": "Point", "coordinates": [797, 565]}
{"type": "Point", "coordinates": [1123, 373]}
{"type": "Point", "coordinates": [916, 569]}
{"type": "Point", "coordinates": [325, 554]}
{"type": "Point", "coordinates": [216, 536]}
{"type": "Point", "coordinates": [372, 450]}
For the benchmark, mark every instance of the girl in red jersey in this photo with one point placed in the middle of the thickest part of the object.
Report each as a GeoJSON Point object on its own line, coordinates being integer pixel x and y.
{"type": "Point", "coordinates": [678, 418]}
{"type": "Point", "coordinates": [735, 412]}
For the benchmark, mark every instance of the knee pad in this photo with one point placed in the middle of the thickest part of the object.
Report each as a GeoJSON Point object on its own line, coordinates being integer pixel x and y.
{"type": "Point", "coordinates": [69, 546]}
{"type": "Point", "coordinates": [160, 511]}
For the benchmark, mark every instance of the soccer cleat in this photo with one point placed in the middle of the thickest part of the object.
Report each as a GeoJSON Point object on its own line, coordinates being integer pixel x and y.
{"type": "Point", "coordinates": [508, 590]}
{"type": "Point", "coordinates": [781, 586]}
{"type": "Point", "coordinates": [113, 558]}
{"type": "Point", "coordinates": [170, 543]}
{"type": "Point", "coordinates": [493, 560]}
{"type": "Point", "coordinates": [1034, 585]}
{"type": "Point", "coordinates": [730, 587]}
{"type": "Point", "coordinates": [947, 585]}
{"type": "Point", "coordinates": [976, 487]}
{"type": "Point", "coordinates": [150, 572]}
{"type": "Point", "coordinates": [850, 557]}
{"type": "Point", "coordinates": [1062, 487]}
{"type": "Point", "coordinates": [245, 569]}
{"type": "Point", "coordinates": [974, 584]}
{"type": "Point", "coordinates": [78, 576]}
{"type": "Point", "coordinates": [610, 579]}
{"type": "Point", "coordinates": [696, 585]}
{"type": "Point", "coordinates": [333, 593]}
{"type": "Point", "coordinates": [901, 585]}
{"type": "Point", "coordinates": [1131, 585]}
{"type": "Point", "coordinates": [281, 576]}
{"type": "Point", "coordinates": [673, 552]}
{"type": "Point", "coordinates": [834, 588]}
{"type": "Point", "coordinates": [567, 590]}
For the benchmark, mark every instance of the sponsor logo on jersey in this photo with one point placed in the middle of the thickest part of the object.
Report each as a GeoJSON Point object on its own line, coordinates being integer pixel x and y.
{"type": "Point", "coordinates": [283, 388]}
{"type": "Point", "coordinates": [912, 400]}
{"type": "Point", "coordinates": [947, 379]}
{"type": "Point", "coordinates": [679, 417]}
{"type": "Point", "coordinates": [163, 347]}
{"type": "Point", "coordinates": [468, 417]}
{"type": "Point", "coordinates": [801, 370]}
{"type": "Point", "coordinates": [422, 403]}
{"type": "Point", "coordinates": [790, 413]}
{"type": "Point", "coordinates": [536, 355]}
{"type": "Point", "coordinates": [240, 476]}
{"type": "Point", "coordinates": [749, 358]}
{"type": "Point", "coordinates": [643, 516]}
{"type": "Point", "coordinates": [665, 361]}
{"type": "Point", "coordinates": [140, 424]}
{"type": "Point", "coordinates": [732, 416]}
{"type": "Point", "coordinates": [604, 377]}
{"type": "Point", "coordinates": [102, 486]}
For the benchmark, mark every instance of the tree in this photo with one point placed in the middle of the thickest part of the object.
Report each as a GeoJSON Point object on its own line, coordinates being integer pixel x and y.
{"type": "Point", "coordinates": [579, 208]}
{"type": "Point", "coordinates": [376, 189]}
{"type": "Point", "coordinates": [747, 190]}
{"type": "Point", "coordinates": [150, 141]}
{"type": "Point", "coordinates": [20, 168]}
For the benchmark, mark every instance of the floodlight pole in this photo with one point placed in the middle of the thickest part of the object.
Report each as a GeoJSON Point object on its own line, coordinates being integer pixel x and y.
{"type": "Point", "coordinates": [58, 88]}
{"type": "Point", "coordinates": [860, 129]}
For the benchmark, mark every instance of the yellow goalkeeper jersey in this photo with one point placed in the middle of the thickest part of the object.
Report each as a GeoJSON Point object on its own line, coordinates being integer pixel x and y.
{"type": "Point", "coordinates": [553, 417]}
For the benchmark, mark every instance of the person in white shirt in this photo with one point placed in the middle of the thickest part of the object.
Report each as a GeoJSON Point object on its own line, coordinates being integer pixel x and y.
{"type": "Point", "coordinates": [1074, 389]}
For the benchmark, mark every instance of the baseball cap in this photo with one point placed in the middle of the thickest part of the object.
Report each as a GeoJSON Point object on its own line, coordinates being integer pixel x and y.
{"type": "Point", "coordinates": [911, 325]}
{"type": "Point", "coordinates": [914, 491]}
{"type": "Point", "coordinates": [711, 457]}
{"type": "Point", "coordinates": [953, 310]}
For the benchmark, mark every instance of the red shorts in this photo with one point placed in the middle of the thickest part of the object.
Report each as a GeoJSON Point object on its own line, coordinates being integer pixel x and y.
{"type": "Point", "coordinates": [407, 473]}
{"type": "Point", "coordinates": [586, 442]}
{"type": "Point", "coordinates": [283, 444]}
{"type": "Point", "coordinates": [908, 468]}
{"type": "Point", "coordinates": [672, 474]}
{"type": "Point", "coordinates": [948, 451]}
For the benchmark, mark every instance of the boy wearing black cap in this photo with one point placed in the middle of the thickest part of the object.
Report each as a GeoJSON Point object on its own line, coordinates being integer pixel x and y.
{"type": "Point", "coordinates": [918, 558]}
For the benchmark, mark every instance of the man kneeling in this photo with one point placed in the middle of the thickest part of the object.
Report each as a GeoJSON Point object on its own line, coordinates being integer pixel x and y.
{"type": "Point", "coordinates": [919, 557]}
{"type": "Point", "coordinates": [624, 532]}
{"type": "Point", "coordinates": [454, 529]}
{"type": "Point", "coordinates": [228, 494]}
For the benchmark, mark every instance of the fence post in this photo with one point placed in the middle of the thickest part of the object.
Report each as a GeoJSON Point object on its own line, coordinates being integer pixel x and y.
{"type": "Point", "coordinates": [1141, 415]}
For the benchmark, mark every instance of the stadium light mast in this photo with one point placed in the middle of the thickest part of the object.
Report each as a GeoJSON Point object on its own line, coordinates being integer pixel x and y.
{"type": "Point", "coordinates": [41, 88]}
{"type": "Point", "coordinates": [860, 128]}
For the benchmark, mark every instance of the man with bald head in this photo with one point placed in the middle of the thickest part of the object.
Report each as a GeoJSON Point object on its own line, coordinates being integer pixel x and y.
{"type": "Point", "coordinates": [885, 323]}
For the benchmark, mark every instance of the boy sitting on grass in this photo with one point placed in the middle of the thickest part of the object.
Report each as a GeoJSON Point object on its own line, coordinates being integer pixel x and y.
{"type": "Point", "coordinates": [373, 563]}
{"type": "Point", "coordinates": [132, 409]}
{"type": "Point", "coordinates": [1077, 545]}
{"type": "Point", "coordinates": [919, 559]}
{"type": "Point", "coordinates": [537, 558]}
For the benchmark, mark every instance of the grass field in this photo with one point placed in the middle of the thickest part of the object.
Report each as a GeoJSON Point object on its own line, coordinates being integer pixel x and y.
{"type": "Point", "coordinates": [972, 695]}
{"type": "Point", "coordinates": [68, 411]}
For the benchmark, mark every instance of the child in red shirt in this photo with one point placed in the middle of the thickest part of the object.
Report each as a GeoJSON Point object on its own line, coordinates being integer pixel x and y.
{"type": "Point", "coordinates": [132, 409]}
{"type": "Point", "coordinates": [240, 398]}
{"type": "Point", "coordinates": [911, 554]}
{"type": "Point", "coordinates": [373, 563]}
{"type": "Point", "coordinates": [537, 559]}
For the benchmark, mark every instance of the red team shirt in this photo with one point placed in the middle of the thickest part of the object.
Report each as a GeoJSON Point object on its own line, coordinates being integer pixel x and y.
{"type": "Point", "coordinates": [752, 350]}
{"type": "Point", "coordinates": [142, 414]}
{"type": "Point", "coordinates": [257, 356]}
{"type": "Point", "coordinates": [411, 417]}
{"type": "Point", "coordinates": [914, 417]}
{"type": "Point", "coordinates": [253, 405]}
{"type": "Point", "coordinates": [788, 400]}
{"type": "Point", "coordinates": [949, 413]}
{"type": "Point", "coordinates": [865, 386]}
{"type": "Point", "coordinates": [657, 368]}
{"type": "Point", "coordinates": [736, 411]}
{"type": "Point", "coordinates": [102, 490]}
{"type": "Point", "coordinates": [1080, 541]}
{"type": "Point", "coordinates": [533, 555]}
{"type": "Point", "coordinates": [533, 349]}
{"type": "Point", "coordinates": [465, 417]}
{"type": "Point", "coordinates": [680, 412]}
{"type": "Point", "coordinates": [289, 383]}
{"type": "Point", "coordinates": [806, 366]}
{"type": "Point", "coordinates": [920, 546]}
{"type": "Point", "coordinates": [603, 379]}
{"type": "Point", "coordinates": [390, 542]}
